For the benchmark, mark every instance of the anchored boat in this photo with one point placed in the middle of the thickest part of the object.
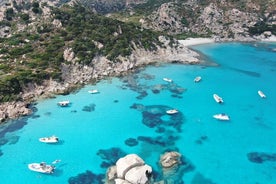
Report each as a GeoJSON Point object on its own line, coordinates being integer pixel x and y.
{"type": "Point", "coordinates": [222, 116]}
{"type": "Point", "coordinates": [41, 167]}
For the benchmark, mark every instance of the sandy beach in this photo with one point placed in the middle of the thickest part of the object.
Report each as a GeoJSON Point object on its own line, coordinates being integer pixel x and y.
{"type": "Point", "coordinates": [196, 41]}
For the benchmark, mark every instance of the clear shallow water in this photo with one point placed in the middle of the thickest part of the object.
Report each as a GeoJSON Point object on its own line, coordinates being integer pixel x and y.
{"type": "Point", "coordinates": [93, 130]}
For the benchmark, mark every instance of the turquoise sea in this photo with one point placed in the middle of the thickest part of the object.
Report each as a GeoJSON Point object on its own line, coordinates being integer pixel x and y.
{"type": "Point", "coordinates": [129, 116]}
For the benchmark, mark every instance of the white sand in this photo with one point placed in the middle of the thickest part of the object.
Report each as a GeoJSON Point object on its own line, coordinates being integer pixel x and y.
{"type": "Point", "coordinates": [196, 41]}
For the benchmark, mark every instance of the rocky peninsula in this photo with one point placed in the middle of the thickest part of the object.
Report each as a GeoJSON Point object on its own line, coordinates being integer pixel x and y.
{"type": "Point", "coordinates": [76, 75]}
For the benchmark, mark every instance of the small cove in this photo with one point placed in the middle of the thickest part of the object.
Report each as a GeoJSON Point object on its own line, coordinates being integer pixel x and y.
{"type": "Point", "coordinates": [95, 127]}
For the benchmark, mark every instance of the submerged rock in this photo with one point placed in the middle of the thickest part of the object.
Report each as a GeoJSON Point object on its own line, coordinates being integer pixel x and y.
{"type": "Point", "coordinates": [86, 178]}
{"type": "Point", "coordinates": [260, 157]}
{"type": "Point", "coordinates": [169, 159]}
{"type": "Point", "coordinates": [131, 142]}
{"type": "Point", "coordinates": [110, 156]}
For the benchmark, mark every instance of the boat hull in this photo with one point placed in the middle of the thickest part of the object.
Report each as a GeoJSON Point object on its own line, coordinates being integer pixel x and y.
{"type": "Point", "coordinates": [172, 111]}
{"type": "Point", "coordinates": [222, 117]}
{"type": "Point", "coordinates": [262, 95]}
{"type": "Point", "coordinates": [41, 168]}
{"type": "Point", "coordinates": [93, 91]}
{"type": "Point", "coordinates": [217, 98]}
{"type": "Point", "coordinates": [167, 80]}
{"type": "Point", "coordinates": [50, 140]}
{"type": "Point", "coordinates": [197, 79]}
{"type": "Point", "coordinates": [63, 103]}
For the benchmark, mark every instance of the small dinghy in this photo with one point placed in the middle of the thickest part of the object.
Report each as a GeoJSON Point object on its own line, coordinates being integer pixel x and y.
{"type": "Point", "coordinates": [52, 139]}
{"type": "Point", "coordinates": [64, 103]}
{"type": "Point", "coordinates": [167, 80]}
{"type": "Point", "coordinates": [222, 116]}
{"type": "Point", "coordinates": [262, 95]}
{"type": "Point", "coordinates": [41, 167]}
{"type": "Point", "coordinates": [93, 91]}
{"type": "Point", "coordinates": [197, 79]}
{"type": "Point", "coordinates": [172, 111]}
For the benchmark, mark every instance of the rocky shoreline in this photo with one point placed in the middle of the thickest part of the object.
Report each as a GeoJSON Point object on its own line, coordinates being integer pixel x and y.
{"type": "Point", "coordinates": [76, 75]}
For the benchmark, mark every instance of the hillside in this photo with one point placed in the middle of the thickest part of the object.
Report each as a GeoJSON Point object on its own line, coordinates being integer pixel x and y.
{"type": "Point", "coordinates": [226, 20]}
{"type": "Point", "coordinates": [34, 50]}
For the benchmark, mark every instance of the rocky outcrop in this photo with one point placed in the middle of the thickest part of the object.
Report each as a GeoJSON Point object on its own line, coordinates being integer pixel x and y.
{"type": "Point", "coordinates": [170, 159]}
{"type": "Point", "coordinates": [174, 166]}
{"type": "Point", "coordinates": [130, 169]}
{"type": "Point", "coordinates": [13, 109]}
{"type": "Point", "coordinates": [165, 18]}
{"type": "Point", "coordinates": [225, 20]}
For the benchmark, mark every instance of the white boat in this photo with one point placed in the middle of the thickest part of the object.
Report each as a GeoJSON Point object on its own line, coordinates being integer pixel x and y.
{"type": "Point", "coordinates": [222, 116]}
{"type": "Point", "coordinates": [167, 79]}
{"type": "Point", "coordinates": [93, 91]}
{"type": "Point", "coordinates": [52, 139]}
{"type": "Point", "coordinates": [262, 95]}
{"type": "Point", "coordinates": [217, 98]}
{"type": "Point", "coordinates": [172, 111]}
{"type": "Point", "coordinates": [41, 167]}
{"type": "Point", "coordinates": [197, 79]}
{"type": "Point", "coordinates": [64, 103]}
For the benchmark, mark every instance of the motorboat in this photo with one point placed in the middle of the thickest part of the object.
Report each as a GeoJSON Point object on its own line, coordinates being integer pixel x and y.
{"type": "Point", "coordinates": [64, 103]}
{"type": "Point", "coordinates": [52, 139]}
{"type": "Point", "coordinates": [217, 98]}
{"type": "Point", "coordinates": [222, 116]}
{"type": "Point", "coordinates": [172, 111]}
{"type": "Point", "coordinates": [41, 167]}
{"type": "Point", "coordinates": [197, 79]}
{"type": "Point", "coordinates": [167, 79]}
{"type": "Point", "coordinates": [262, 95]}
{"type": "Point", "coordinates": [93, 91]}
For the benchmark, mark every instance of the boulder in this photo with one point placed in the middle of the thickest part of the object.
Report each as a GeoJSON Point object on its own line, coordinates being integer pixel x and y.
{"type": "Point", "coordinates": [121, 181]}
{"type": "Point", "coordinates": [130, 169]}
{"type": "Point", "coordinates": [126, 163]}
{"type": "Point", "coordinates": [139, 174]}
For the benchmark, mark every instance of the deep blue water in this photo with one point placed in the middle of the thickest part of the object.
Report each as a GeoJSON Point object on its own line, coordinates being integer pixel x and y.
{"type": "Point", "coordinates": [95, 129]}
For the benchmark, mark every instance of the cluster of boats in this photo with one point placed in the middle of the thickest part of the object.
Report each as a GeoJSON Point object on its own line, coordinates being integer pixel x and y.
{"type": "Point", "coordinates": [43, 167]}
{"type": "Point", "coordinates": [175, 111]}
{"type": "Point", "coordinates": [223, 116]}
{"type": "Point", "coordinates": [66, 103]}
{"type": "Point", "coordinates": [217, 98]}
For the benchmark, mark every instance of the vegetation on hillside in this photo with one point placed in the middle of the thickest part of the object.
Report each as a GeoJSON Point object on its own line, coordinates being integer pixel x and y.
{"type": "Point", "coordinates": [31, 57]}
